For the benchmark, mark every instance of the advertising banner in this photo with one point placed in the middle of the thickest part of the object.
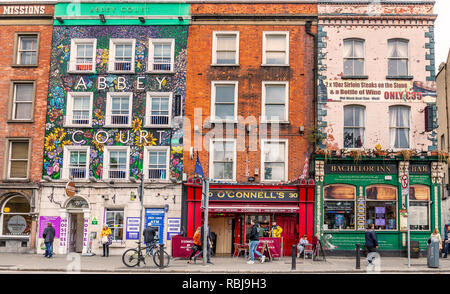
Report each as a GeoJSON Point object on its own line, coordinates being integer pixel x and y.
{"type": "Point", "coordinates": [56, 223]}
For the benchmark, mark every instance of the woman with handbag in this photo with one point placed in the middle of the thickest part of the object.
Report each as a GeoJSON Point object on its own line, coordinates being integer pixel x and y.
{"type": "Point", "coordinates": [105, 236]}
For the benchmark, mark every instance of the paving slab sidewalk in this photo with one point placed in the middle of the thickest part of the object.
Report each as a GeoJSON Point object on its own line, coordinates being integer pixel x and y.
{"type": "Point", "coordinates": [96, 264]}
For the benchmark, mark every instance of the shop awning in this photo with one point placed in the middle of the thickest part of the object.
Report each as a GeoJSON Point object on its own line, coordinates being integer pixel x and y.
{"type": "Point", "coordinates": [253, 208]}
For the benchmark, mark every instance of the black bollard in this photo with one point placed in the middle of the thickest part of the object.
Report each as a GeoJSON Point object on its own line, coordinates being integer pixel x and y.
{"type": "Point", "coordinates": [294, 257]}
{"type": "Point", "coordinates": [358, 259]}
{"type": "Point", "coordinates": [161, 256]}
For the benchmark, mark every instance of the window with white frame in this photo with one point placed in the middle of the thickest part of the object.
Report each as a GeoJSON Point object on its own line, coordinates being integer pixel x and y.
{"type": "Point", "coordinates": [398, 57]}
{"type": "Point", "coordinates": [224, 101]}
{"type": "Point", "coordinates": [158, 109]}
{"type": "Point", "coordinates": [82, 55]}
{"type": "Point", "coordinates": [353, 57]}
{"type": "Point", "coordinates": [79, 109]}
{"type": "Point", "coordinates": [15, 217]}
{"type": "Point", "coordinates": [225, 48]}
{"type": "Point", "coordinates": [274, 160]}
{"type": "Point", "coordinates": [122, 54]}
{"type": "Point", "coordinates": [18, 159]}
{"type": "Point", "coordinates": [76, 162]}
{"type": "Point", "coordinates": [156, 162]}
{"type": "Point", "coordinates": [275, 106]}
{"type": "Point", "coordinates": [27, 49]}
{"type": "Point", "coordinates": [399, 117]}
{"type": "Point", "coordinates": [118, 109]}
{"type": "Point", "coordinates": [115, 220]}
{"type": "Point", "coordinates": [354, 119]}
{"type": "Point", "coordinates": [23, 97]}
{"type": "Point", "coordinates": [161, 55]}
{"type": "Point", "coordinates": [116, 164]}
{"type": "Point", "coordinates": [222, 159]}
{"type": "Point", "coordinates": [275, 48]}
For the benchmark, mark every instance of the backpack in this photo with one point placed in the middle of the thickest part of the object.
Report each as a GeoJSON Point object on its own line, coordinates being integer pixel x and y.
{"type": "Point", "coordinates": [197, 238]}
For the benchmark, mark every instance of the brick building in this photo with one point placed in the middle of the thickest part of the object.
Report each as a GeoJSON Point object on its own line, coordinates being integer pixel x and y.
{"type": "Point", "coordinates": [377, 118]}
{"type": "Point", "coordinates": [249, 117]}
{"type": "Point", "coordinates": [26, 32]}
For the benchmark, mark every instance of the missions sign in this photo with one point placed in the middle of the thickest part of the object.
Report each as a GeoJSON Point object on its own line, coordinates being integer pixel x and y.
{"type": "Point", "coordinates": [253, 195]}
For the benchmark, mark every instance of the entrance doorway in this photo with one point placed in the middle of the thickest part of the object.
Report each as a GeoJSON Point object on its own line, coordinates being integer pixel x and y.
{"type": "Point", "coordinates": [76, 230]}
{"type": "Point", "coordinates": [223, 228]}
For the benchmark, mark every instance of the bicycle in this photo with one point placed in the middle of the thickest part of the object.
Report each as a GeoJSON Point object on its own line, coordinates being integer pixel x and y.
{"type": "Point", "coordinates": [133, 257]}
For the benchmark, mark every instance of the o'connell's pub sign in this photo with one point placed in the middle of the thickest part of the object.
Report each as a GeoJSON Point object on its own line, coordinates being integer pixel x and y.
{"type": "Point", "coordinates": [253, 195]}
{"type": "Point", "coordinates": [374, 168]}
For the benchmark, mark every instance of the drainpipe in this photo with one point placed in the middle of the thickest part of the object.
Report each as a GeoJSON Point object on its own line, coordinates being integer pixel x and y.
{"type": "Point", "coordinates": [315, 73]}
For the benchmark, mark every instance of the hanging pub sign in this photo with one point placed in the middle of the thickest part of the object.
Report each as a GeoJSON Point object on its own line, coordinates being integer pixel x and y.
{"type": "Point", "coordinates": [70, 189]}
{"type": "Point", "coordinates": [253, 195]}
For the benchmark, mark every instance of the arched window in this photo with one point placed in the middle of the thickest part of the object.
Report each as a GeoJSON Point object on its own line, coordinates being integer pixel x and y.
{"type": "Point", "coordinates": [353, 57]}
{"type": "Point", "coordinates": [398, 57]}
{"type": "Point", "coordinates": [77, 203]}
{"type": "Point", "coordinates": [419, 207]}
{"type": "Point", "coordinates": [381, 207]}
{"type": "Point", "coordinates": [354, 120]}
{"type": "Point", "coordinates": [339, 207]}
{"type": "Point", "coordinates": [15, 217]}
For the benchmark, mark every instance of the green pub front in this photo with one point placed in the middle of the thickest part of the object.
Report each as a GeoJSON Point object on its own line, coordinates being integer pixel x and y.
{"type": "Point", "coordinates": [351, 195]}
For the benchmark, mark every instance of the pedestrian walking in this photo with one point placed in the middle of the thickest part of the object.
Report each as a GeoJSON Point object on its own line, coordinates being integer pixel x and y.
{"type": "Point", "coordinates": [276, 230]}
{"type": "Point", "coordinates": [197, 244]}
{"type": "Point", "coordinates": [371, 243]}
{"type": "Point", "coordinates": [436, 235]}
{"type": "Point", "coordinates": [208, 244]}
{"type": "Point", "coordinates": [49, 236]}
{"type": "Point", "coordinates": [447, 245]}
{"type": "Point", "coordinates": [105, 236]}
{"type": "Point", "coordinates": [254, 241]}
{"type": "Point", "coordinates": [301, 245]}
{"type": "Point", "coordinates": [149, 236]}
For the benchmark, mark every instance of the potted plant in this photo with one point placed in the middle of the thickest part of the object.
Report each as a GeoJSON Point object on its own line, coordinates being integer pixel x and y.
{"type": "Point", "coordinates": [379, 152]}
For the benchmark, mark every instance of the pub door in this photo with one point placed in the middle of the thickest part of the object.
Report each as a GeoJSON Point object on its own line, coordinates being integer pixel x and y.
{"type": "Point", "coordinates": [222, 226]}
{"type": "Point", "coordinates": [289, 223]}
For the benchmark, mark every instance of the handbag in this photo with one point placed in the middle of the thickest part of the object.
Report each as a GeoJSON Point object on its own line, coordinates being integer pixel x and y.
{"type": "Point", "coordinates": [105, 239]}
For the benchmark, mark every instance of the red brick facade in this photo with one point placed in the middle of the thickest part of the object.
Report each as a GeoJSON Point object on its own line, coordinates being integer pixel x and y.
{"type": "Point", "coordinates": [251, 20]}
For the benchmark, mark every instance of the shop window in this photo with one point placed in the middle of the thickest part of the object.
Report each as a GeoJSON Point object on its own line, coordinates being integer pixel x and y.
{"type": "Point", "coordinates": [339, 207]}
{"type": "Point", "coordinates": [381, 207]}
{"type": "Point", "coordinates": [264, 225]}
{"type": "Point", "coordinates": [353, 57]}
{"type": "Point", "coordinates": [354, 119]}
{"type": "Point", "coordinates": [158, 109]}
{"type": "Point", "coordinates": [15, 217]}
{"type": "Point", "coordinates": [225, 48]}
{"type": "Point", "coordinates": [419, 208]}
{"type": "Point", "coordinates": [82, 55]}
{"type": "Point", "coordinates": [399, 126]}
{"type": "Point", "coordinates": [114, 220]}
{"type": "Point", "coordinates": [161, 55]}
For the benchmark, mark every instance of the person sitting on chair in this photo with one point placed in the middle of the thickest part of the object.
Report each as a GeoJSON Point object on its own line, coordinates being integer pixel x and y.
{"type": "Point", "coordinates": [301, 245]}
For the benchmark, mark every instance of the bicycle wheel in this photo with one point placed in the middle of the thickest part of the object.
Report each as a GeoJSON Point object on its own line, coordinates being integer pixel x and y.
{"type": "Point", "coordinates": [156, 258]}
{"type": "Point", "coordinates": [130, 257]}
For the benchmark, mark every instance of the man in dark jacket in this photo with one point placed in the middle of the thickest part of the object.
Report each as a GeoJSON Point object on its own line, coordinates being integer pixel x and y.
{"type": "Point", "coordinates": [208, 247]}
{"type": "Point", "coordinates": [254, 240]}
{"type": "Point", "coordinates": [371, 243]}
{"type": "Point", "coordinates": [149, 236]}
{"type": "Point", "coordinates": [49, 236]}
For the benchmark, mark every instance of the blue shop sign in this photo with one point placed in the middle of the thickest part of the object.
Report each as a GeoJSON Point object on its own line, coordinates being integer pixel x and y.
{"type": "Point", "coordinates": [156, 217]}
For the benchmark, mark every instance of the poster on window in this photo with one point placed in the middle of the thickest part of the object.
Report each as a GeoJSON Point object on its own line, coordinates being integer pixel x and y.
{"type": "Point", "coordinates": [418, 215]}
{"type": "Point", "coordinates": [54, 220]}
{"type": "Point", "coordinates": [380, 216]}
{"type": "Point", "coordinates": [173, 227]}
{"type": "Point", "coordinates": [339, 220]}
{"type": "Point", "coordinates": [156, 217]}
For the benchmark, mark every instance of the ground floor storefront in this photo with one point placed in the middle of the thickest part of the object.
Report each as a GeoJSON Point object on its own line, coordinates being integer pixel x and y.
{"type": "Point", "coordinates": [78, 220]}
{"type": "Point", "coordinates": [231, 207]}
{"type": "Point", "coordinates": [386, 192]}
{"type": "Point", "coordinates": [17, 217]}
